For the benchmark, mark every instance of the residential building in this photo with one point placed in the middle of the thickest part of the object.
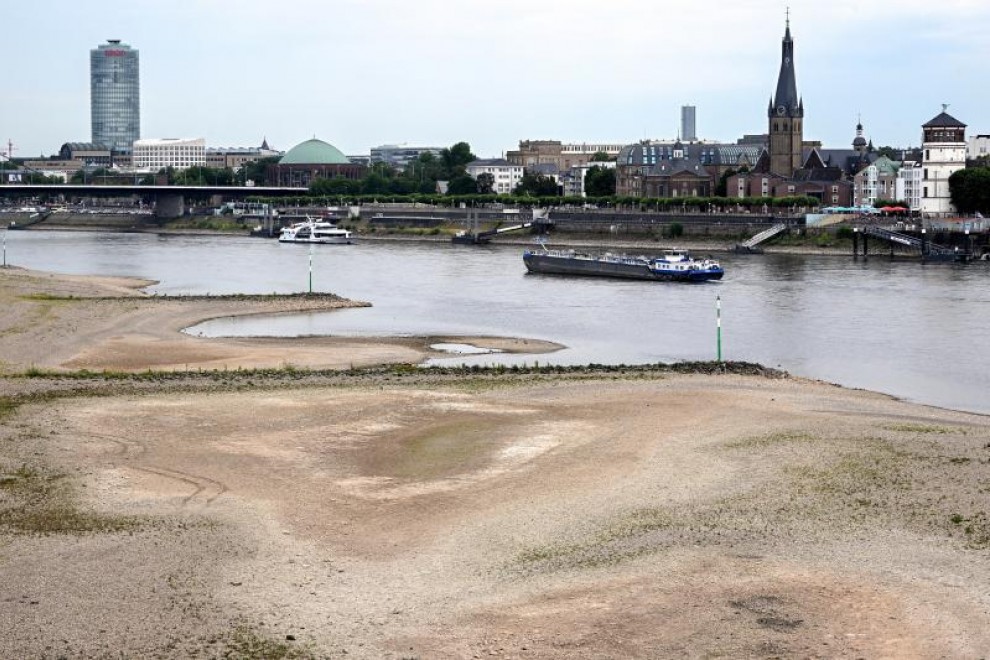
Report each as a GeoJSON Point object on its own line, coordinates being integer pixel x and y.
{"type": "Point", "coordinates": [786, 115]}
{"type": "Point", "coordinates": [638, 163]}
{"type": "Point", "coordinates": [400, 155]}
{"type": "Point", "coordinates": [978, 148]}
{"type": "Point", "coordinates": [878, 180]}
{"type": "Point", "coordinates": [115, 95]}
{"type": "Point", "coordinates": [507, 175]}
{"type": "Point", "coordinates": [828, 184]}
{"type": "Point", "coordinates": [234, 158]}
{"type": "Point", "coordinates": [573, 179]}
{"type": "Point", "coordinates": [649, 169]}
{"type": "Point", "coordinates": [180, 153]}
{"type": "Point", "coordinates": [564, 156]}
{"type": "Point", "coordinates": [943, 147]}
{"type": "Point", "coordinates": [910, 184]}
{"type": "Point", "coordinates": [689, 132]}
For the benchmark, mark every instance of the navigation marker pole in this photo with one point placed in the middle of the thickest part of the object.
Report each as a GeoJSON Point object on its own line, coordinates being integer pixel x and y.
{"type": "Point", "coordinates": [718, 326]}
{"type": "Point", "coordinates": [4, 248]}
{"type": "Point", "coordinates": [311, 268]}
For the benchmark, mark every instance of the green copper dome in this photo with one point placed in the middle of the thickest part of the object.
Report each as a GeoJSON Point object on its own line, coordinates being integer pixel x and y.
{"type": "Point", "coordinates": [314, 152]}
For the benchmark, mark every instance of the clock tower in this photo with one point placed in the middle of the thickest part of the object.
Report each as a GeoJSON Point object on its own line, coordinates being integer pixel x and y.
{"type": "Point", "coordinates": [786, 115]}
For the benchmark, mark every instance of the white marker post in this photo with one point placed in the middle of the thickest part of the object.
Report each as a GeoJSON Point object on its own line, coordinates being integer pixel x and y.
{"type": "Point", "coordinates": [311, 268]}
{"type": "Point", "coordinates": [718, 327]}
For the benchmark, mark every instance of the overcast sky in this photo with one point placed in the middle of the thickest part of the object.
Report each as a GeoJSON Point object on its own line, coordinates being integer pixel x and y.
{"type": "Point", "coordinates": [360, 73]}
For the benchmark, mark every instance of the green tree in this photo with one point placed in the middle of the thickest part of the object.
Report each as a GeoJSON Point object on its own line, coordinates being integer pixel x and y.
{"type": "Point", "coordinates": [970, 190]}
{"type": "Point", "coordinates": [255, 171]}
{"type": "Point", "coordinates": [83, 177]}
{"type": "Point", "coordinates": [722, 186]}
{"type": "Point", "coordinates": [335, 187]}
{"type": "Point", "coordinates": [374, 183]}
{"type": "Point", "coordinates": [889, 152]}
{"type": "Point", "coordinates": [462, 184]}
{"type": "Point", "coordinates": [880, 203]}
{"type": "Point", "coordinates": [601, 157]}
{"type": "Point", "coordinates": [599, 181]}
{"type": "Point", "coordinates": [537, 185]}
{"type": "Point", "coordinates": [455, 159]}
{"type": "Point", "coordinates": [425, 169]}
{"type": "Point", "coordinates": [486, 183]}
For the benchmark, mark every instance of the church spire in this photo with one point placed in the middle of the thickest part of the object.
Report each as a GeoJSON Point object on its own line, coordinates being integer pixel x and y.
{"type": "Point", "coordinates": [786, 102]}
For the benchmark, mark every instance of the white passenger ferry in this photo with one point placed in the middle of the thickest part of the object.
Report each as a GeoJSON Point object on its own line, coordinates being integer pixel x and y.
{"type": "Point", "coordinates": [315, 231]}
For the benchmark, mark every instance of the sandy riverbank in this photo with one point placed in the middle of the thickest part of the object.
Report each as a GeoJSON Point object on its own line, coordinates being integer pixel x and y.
{"type": "Point", "coordinates": [523, 515]}
{"type": "Point", "coordinates": [99, 323]}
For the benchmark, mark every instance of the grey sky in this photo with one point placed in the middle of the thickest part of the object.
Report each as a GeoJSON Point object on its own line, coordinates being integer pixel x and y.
{"type": "Point", "coordinates": [360, 73]}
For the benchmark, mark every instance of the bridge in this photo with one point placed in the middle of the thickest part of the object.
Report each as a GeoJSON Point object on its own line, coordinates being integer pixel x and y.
{"type": "Point", "coordinates": [170, 201]}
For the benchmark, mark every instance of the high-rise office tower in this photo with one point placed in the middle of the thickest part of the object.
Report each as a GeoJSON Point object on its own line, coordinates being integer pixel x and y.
{"type": "Point", "coordinates": [115, 95]}
{"type": "Point", "coordinates": [689, 132]}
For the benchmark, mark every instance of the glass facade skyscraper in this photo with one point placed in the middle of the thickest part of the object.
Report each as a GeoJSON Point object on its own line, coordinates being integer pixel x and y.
{"type": "Point", "coordinates": [115, 95]}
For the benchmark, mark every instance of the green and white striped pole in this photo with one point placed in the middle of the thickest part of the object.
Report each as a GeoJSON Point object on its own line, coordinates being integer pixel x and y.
{"type": "Point", "coordinates": [311, 268]}
{"type": "Point", "coordinates": [718, 327]}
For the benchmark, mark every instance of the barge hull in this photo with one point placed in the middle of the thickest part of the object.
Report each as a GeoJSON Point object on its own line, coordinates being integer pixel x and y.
{"type": "Point", "coordinates": [551, 265]}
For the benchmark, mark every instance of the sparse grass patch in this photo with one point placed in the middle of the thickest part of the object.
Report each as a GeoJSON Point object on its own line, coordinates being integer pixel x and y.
{"type": "Point", "coordinates": [35, 502]}
{"type": "Point", "coordinates": [248, 644]}
{"type": "Point", "coordinates": [769, 440]}
{"type": "Point", "coordinates": [47, 297]}
{"type": "Point", "coordinates": [629, 536]}
{"type": "Point", "coordinates": [854, 485]}
{"type": "Point", "coordinates": [7, 407]}
{"type": "Point", "coordinates": [923, 428]}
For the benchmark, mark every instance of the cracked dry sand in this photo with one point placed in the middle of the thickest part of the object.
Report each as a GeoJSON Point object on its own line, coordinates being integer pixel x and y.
{"type": "Point", "coordinates": [518, 521]}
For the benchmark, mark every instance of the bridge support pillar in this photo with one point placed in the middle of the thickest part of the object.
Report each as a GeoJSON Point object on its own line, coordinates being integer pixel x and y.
{"type": "Point", "coordinates": [170, 205]}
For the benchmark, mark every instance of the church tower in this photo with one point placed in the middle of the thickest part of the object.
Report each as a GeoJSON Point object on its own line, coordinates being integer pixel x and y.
{"type": "Point", "coordinates": [786, 114]}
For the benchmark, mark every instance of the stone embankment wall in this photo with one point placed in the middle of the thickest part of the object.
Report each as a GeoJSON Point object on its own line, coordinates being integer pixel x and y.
{"type": "Point", "coordinates": [112, 221]}
{"type": "Point", "coordinates": [587, 221]}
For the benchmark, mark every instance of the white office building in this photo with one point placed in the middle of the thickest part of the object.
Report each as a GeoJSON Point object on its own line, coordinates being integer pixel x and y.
{"type": "Point", "coordinates": [507, 175]}
{"type": "Point", "coordinates": [400, 156]}
{"type": "Point", "coordinates": [180, 153]}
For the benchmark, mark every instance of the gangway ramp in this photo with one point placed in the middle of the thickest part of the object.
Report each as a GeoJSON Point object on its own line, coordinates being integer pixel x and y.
{"type": "Point", "coordinates": [924, 248]}
{"type": "Point", "coordinates": [33, 219]}
{"type": "Point", "coordinates": [750, 245]}
{"type": "Point", "coordinates": [503, 230]}
{"type": "Point", "coordinates": [482, 237]}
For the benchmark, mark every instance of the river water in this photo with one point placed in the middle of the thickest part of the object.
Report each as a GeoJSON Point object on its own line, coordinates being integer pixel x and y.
{"type": "Point", "coordinates": [915, 331]}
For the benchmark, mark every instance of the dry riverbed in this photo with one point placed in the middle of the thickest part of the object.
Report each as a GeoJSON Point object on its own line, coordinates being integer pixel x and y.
{"type": "Point", "coordinates": [390, 512]}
